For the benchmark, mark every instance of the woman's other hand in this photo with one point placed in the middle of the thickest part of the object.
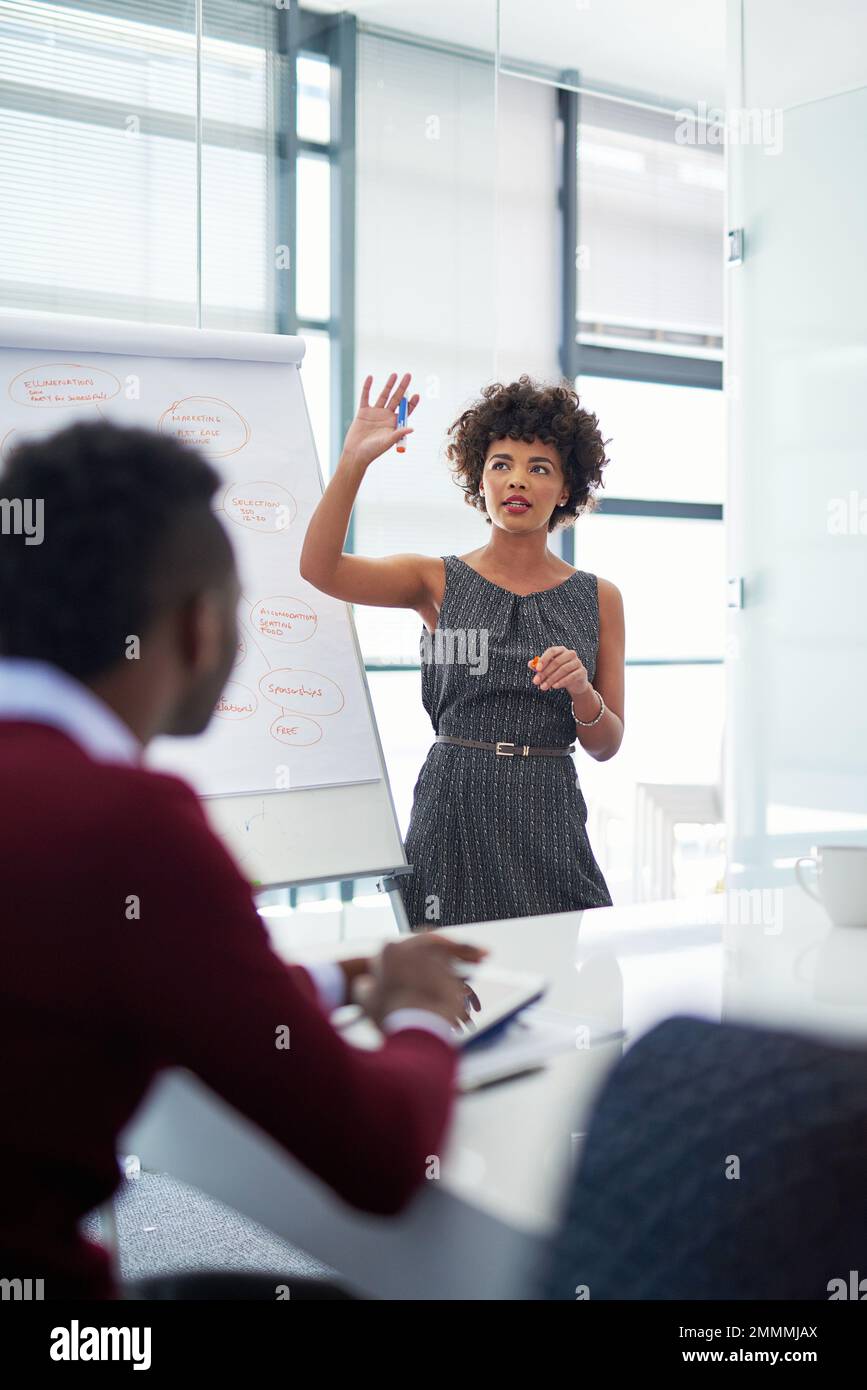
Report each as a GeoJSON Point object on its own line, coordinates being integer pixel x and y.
{"type": "Point", "coordinates": [559, 668]}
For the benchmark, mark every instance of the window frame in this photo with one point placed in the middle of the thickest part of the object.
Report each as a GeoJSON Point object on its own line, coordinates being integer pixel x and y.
{"type": "Point", "coordinates": [333, 37]}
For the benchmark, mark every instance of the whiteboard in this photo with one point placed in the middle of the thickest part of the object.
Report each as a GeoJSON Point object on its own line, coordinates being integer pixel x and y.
{"type": "Point", "coordinates": [291, 768]}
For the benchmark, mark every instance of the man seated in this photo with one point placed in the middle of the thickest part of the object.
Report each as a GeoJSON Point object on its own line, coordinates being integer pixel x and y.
{"type": "Point", "coordinates": [129, 941]}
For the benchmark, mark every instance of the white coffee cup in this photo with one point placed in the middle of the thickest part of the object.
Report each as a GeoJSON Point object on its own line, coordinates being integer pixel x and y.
{"type": "Point", "coordinates": [841, 879]}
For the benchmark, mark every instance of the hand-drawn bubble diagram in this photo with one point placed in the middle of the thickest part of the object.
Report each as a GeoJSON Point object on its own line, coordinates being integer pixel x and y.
{"type": "Point", "coordinates": [53, 386]}
{"type": "Point", "coordinates": [236, 702]}
{"type": "Point", "coordinates": [268, 508]}
{"type": "Point", "coordinates": [297, 692]}
{"type": "Point", "coordinates": [207, 422]}
{"type": "Point", "coordinates": [284, 619]}
{"type": "Point", "coordinates": [58, 385]}
{"type": "Point", "coordinates": [287, 620]}
{"type": "Point", "coordinates": [302, 695]}
{"type": "Point", "coordinates": [260, 506]}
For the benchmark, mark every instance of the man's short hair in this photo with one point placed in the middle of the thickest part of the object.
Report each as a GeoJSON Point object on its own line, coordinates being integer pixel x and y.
{"type": "Point", "coordinates": [128, 534]}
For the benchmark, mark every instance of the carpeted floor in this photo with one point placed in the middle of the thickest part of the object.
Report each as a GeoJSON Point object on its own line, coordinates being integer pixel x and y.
{"type": "Point", "coordinates": [164, 1226]}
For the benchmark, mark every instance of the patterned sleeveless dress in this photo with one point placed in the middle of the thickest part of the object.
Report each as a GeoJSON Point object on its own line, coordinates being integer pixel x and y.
{"type": "Point", "coordinates": [496, 836]}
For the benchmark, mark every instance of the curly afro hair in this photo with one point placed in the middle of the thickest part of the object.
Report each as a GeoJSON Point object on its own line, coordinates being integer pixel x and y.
{"type": "Point", "coordinates": [528, 410]}
{"type": "Point", "coordinates": [129, 533]}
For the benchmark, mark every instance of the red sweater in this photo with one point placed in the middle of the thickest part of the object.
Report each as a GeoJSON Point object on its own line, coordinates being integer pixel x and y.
{"type": "Point", "coordinates": [93, 1004]}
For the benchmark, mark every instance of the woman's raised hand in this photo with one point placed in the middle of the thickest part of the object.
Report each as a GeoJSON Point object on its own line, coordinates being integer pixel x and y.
{"type": "Point", "coordinates": [374, 428]}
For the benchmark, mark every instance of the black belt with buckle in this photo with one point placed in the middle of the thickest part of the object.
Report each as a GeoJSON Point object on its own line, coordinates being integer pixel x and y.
{"type": "Point", "coordinates": [509, 750]}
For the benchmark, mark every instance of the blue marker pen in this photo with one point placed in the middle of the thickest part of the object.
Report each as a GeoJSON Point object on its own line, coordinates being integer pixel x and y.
{"type": "Point", "coordinates": [401, 421]}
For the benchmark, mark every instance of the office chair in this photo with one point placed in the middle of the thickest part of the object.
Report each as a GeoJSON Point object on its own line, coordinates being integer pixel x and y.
{"type": "Point", "coordinates": [722, 1161]}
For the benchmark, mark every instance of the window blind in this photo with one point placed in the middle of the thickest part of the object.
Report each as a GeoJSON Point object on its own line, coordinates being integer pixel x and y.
{"type": "Point", "coordinates": [651, 221]}
{"type": "Point", "coordinates": [426, 294]}
{"type": "Point", "coordinates": [98, 159]}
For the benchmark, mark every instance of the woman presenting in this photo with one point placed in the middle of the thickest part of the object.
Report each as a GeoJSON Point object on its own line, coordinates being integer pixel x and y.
{"type": "Point", "coordinates": [498, 824]}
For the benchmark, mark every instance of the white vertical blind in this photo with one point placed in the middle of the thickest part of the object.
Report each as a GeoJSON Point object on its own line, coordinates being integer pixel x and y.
{"type": "Point", "coordinates": [435, 191]}
{"type": "Point", "coordinates": [651, 221]}
{"type": "Point", "coordinates": [98, 168]}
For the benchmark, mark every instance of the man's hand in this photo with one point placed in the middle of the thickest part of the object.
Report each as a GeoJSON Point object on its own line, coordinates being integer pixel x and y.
{"type": "Point", "coordinates": [352, 969]}
{"type": "Point", "coordinates": [418, 973]}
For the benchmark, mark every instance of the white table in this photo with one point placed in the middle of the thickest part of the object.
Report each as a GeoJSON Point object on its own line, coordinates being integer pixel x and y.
{"type": "Point", "coordinates": [767, 957]}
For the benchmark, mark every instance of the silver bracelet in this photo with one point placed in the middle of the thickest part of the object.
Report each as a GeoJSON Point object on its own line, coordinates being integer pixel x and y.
{"type": "Point", "coordinates": [588, 723]}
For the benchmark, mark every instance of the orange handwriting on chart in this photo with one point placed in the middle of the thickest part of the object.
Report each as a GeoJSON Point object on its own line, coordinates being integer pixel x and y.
{"type": "Point", "coordinates": [302, 692]}
{"type": "Point", "coordinates": [242, 649]}
{"type": "Point", "coordinates": [284, 619]}
{"type": "Point", "coordinates": [260, 506]}
{"type": "Point", "coordinates": [58, 384]}
{"type": "Point", "coordinates": [295, 730]}
{"type": "Point", "coordinates": [236, 702]}
{"type": "Point", "coordinates": [209, 423]}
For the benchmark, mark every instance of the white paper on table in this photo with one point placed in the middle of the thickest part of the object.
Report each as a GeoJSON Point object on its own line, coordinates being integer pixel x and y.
{"type": "Point", "coordinates": [535, 1035]}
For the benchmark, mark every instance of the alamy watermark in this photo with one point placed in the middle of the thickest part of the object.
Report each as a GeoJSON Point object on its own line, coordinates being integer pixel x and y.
{"type": "Point", "coordinates": [22, 1290]}
{"type": "Point", "coordinates": [23, 516]}
{"type": "Point", "coordinates": [739, 125]}
{"type": "Point", "coordinates": [77, 1343]}
{"type": "Point", "coordinates": [735, 907]}
{"type": "Point", "coordinates": [847, 516]}
{"type": "Point", "coordinates": [459, 646]}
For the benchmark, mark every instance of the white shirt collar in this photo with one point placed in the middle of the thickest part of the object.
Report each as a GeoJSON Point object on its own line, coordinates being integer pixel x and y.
{"type": "Point", "coordinates": [40, 693]}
